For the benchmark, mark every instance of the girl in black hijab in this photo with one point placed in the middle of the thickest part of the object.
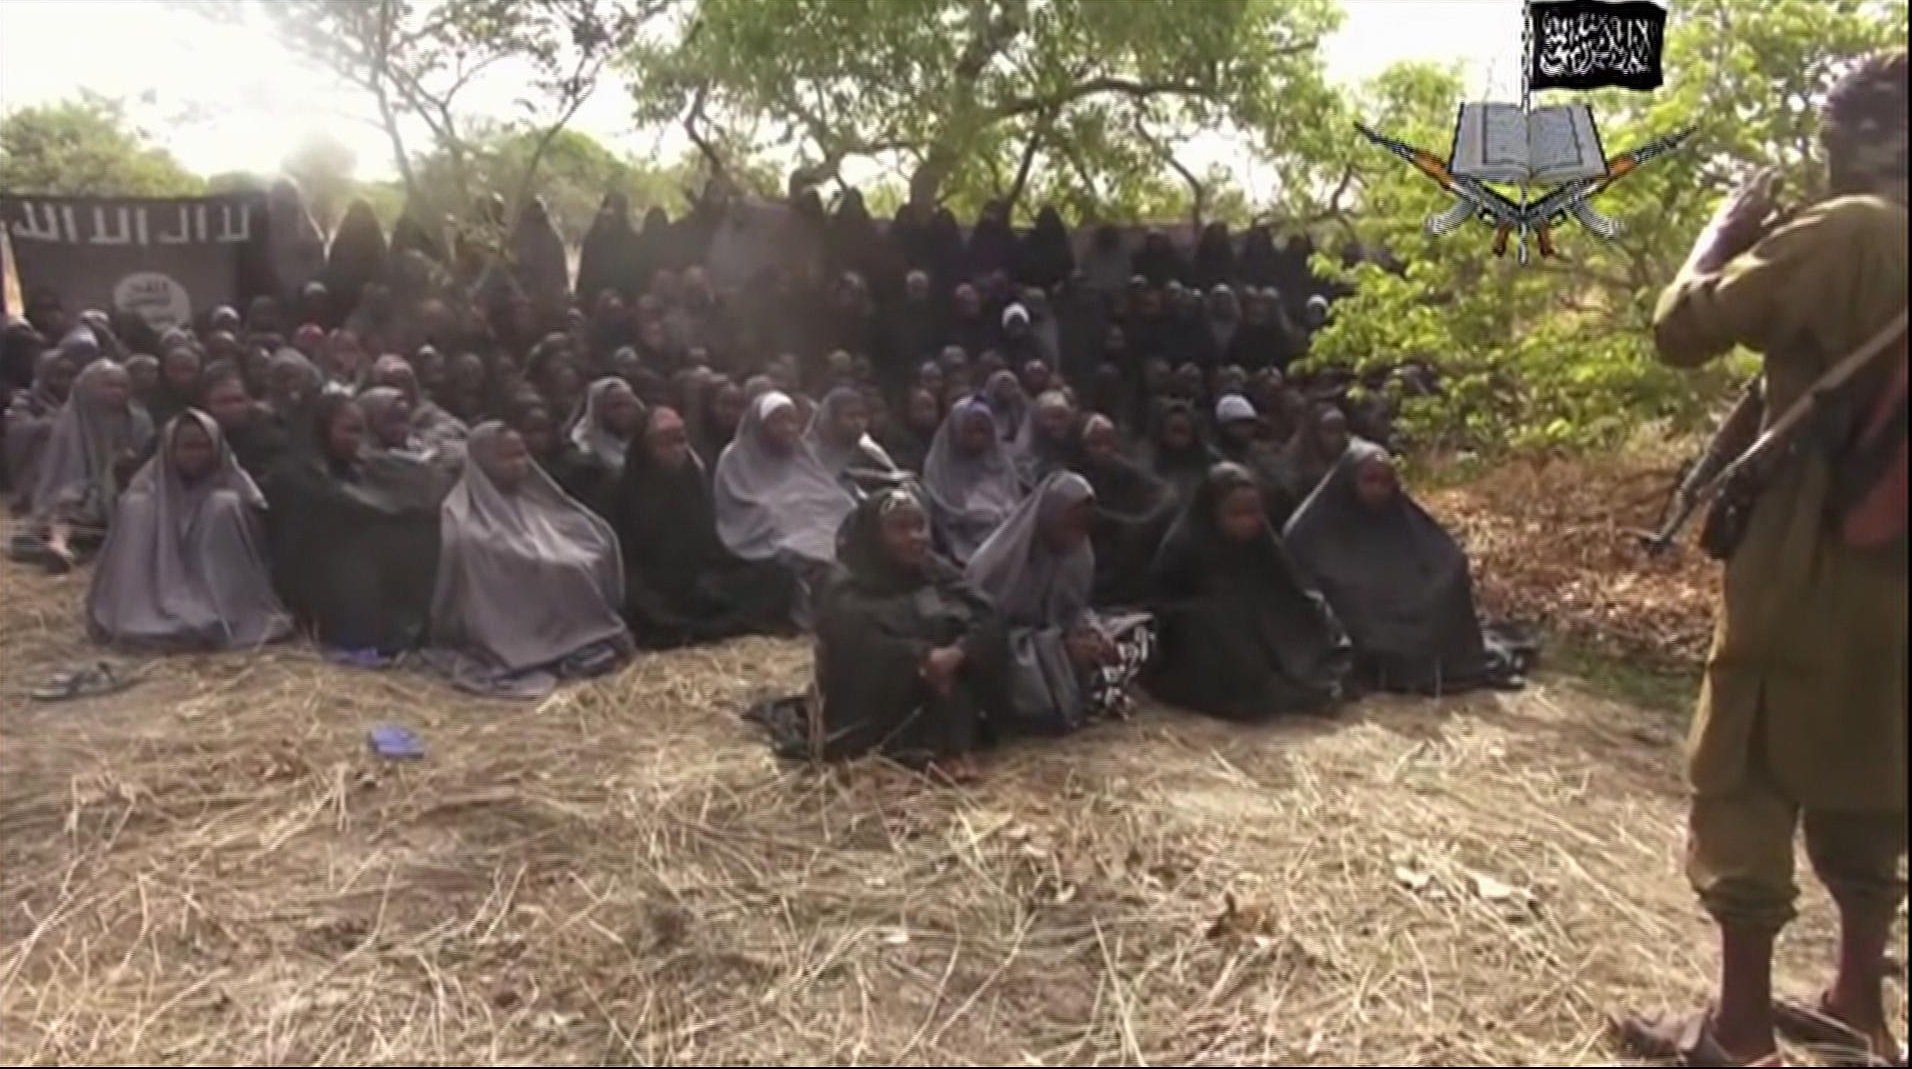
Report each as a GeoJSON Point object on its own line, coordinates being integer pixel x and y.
{"type": "Point", "coordinates": [1159, 261]}
{"type": "Point", "coordinates": [944, 251]}
{"type": "Point", "coordinates": [1045, 259]}
{"type": "Point", "coordinates": [609, 255]}
{"type": "Point", "coordinates": [1242, 635]}
{"type": "Point", "coordinates": [681, 585]}
{"type": "Point", "coordinates": [1214, 258]}
{"type": "Point", "coordinates": [1132, 512]}
{"type": "Point", "coordinates": [1398, 581]}
{"type": "Point", "coordinates": [907, 439]}
{"type": "Point", "coordinates": [1260, 264]}
{"type": "Point", "coordinates": [910, 656]}
{"type": "Point", "coordinates": [1175, 452]}
{"type": "Point", "coordinates": [992, 243]}
{"type": "Point", "coordinates": [355, 259]}
{"type": "Point", "coordinates": [354, 545]}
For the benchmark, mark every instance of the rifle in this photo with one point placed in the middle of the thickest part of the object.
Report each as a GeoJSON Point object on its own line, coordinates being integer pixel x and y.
{"type": "Point", "coordinates": [1471, 198]}
{"type": "Point", "coordinates": [1570, 200]}
{"type": "Point", "coordinates": [1736, 432]}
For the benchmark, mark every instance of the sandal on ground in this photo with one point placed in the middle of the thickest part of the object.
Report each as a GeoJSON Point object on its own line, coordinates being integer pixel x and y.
{"type": "Point", "coordinates": [89, 681]}
{"type": "Point", "coordinates": [1840, 1043]}
{"type": "Point", "coordinates": [1681, 1041]}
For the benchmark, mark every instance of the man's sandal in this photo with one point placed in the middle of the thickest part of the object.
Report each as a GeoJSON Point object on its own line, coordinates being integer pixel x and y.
{"type": "Point", "coordinates": [1681, 1041]}
{"type": "Point", "coordinates": [1840, 1043]}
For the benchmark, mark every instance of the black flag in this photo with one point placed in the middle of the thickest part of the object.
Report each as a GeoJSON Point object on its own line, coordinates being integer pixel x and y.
{"type": "Point", "coordinates": [1593, 44]}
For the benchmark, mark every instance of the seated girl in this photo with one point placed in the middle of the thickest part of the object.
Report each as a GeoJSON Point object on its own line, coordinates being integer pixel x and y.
{"type": "Point", "coordinates": [1243, 637]}
{"type": "Point", "coordinates": [1399, 583]}
{"type": "Point", "coordinates": [354, 544]}
{"type": "Point", "coordinates": [907, 438]}
{"type": "Point", "coordinates": [972, 484]}
{"type": "Point", "coordinates": [1239, 439]}
{"type": "Point", "coordinates": [772, 497]}
{"type": "Point", "coordinates": [529, 581]}
{"type": "Point", "coordinates": [1312, 454]}
{"type": "Point", "coordinates": [184, 566]}
{"type": "Point", "coordinates": [1175, 452]}
{"type": "Point", "coordinates": [1067, 664]}
{"type": "Point", "coordinates": [1043, 444]}
{"type": "Point", "coordinates": [681, 585]}
{"type": "Point", "coordinates": [910, 657]}
{"type": "Point", "coordinates": [600, 432]}
{"type": "Point", "coordinates": [92, 449]}
{"type": "Point", "coordinates": [1133, 510]}
{"type": "Point", "coordinates": [839, 435]}
{"type": "Point", "coordinates": [29, 422]}
{"type": "Point", "coordinates": [433, 425]}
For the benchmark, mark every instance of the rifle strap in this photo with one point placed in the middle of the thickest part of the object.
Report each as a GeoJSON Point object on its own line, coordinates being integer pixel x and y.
{"type": "Point", "coordinates": [1838, 375]}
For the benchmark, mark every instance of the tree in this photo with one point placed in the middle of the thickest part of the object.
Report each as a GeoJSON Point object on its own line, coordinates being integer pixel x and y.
{"type": "Point", "coordinates": [323, 166]}
{"type": "Point", "coordinates": [1559, 352]}
{"type": "Point", "coordinates": [415, 59]}
{"type": "Point", "coordinates": [87, 146]}
{"type": "Point", "coordinates": [958, 88]}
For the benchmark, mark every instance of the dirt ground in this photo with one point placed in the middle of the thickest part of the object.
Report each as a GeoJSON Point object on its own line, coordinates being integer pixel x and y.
{"type": "Point", "coordinates": [211, 868]}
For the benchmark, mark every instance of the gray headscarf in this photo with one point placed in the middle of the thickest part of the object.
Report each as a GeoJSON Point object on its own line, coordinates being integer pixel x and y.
{"type": "Point", "coordinates": [525, 579]}
{"type": "Point", "coordinates": [77, 481]}
{"type": "Point", "coordinates": [837, 456]}
{"type": "Point", "coordinates": [1031, 585]}
{"type": "Point", "coordinates": [185, 564]}
{"type": "Point", "coordinates": [588, 432]}
{"type": "Point", "coordinates": [970, 495]}
{"type": "Point", "coordinates": [768, 503]}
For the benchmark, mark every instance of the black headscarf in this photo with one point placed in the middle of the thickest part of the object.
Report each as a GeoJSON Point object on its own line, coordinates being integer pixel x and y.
{"type": "Point", "coordinates": [356, 258]}
{"type": "Point", "coordinates": [1045, 258]}
{"type": "Point", "coordinates": [1214, 258]}
{"type": "Point", "coordinates": [608, 259]}
{"type": "Point", "coordinates": [1397, 580]}
{"type": "Point", "coordinates": [992, 243]}
{"type": "Point", "coordinates": [1159, 261]}
{"type": "Point", "coordinates": [1243, 635]}
{"type": "Point", "coordinates": [410, 234]}
{"type": "Point", "coordinates": [943, 253]}
{"type": "Point", "coordinates": [1260, 264]}
{"type": "Point", "coordinates": [1182, 469]}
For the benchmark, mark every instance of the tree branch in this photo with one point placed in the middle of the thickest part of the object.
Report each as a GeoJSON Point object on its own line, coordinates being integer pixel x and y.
{"type": "Point", "coordinates": [1037, 134]}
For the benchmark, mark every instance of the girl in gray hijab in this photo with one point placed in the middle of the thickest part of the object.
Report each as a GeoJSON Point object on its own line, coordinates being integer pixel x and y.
{"type": "Point", "coordinates": [434, 425]}
{"type": "Point", "coordinates": [529, 580]}
{"type": "Point", "coordinates": [970, 478]}
{"type": "Point", "coordinates": [1068, 664]}
{"type": "Point", "coordinates": [30, 417]}
{"type": "Point", "coordinates": [184, 566]}
{"type": "Point", "coordinates": [839, 435]}
{"type": "Point", "coordinates": [774, 498]}
{"type": "Point", "coordinates": [601, 428]}
{"type": "Point", "coordinates": [95, 440]}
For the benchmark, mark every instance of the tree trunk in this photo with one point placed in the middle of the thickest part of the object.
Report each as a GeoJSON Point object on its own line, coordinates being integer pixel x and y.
{"type": "Point", "coordinates": [928, 178]}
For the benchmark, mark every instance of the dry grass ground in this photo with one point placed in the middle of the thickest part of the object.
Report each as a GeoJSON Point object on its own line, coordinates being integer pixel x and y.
{"type": "Point", "coordinates": [211, 868]}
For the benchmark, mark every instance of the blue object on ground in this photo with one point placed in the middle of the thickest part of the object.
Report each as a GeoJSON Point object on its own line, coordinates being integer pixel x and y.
{"type": "Point", "coordinates": [395, 743]}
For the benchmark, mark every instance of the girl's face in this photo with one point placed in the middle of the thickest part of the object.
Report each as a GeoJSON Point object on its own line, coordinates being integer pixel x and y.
{"type": "Point", "coordinates": [510, 462]}
{"type": "Point", "coordinates": [1036, 377]}
{"type": "Point", "coordinates": [180, 370]}
{"type": "Point", "coordinates": [924, 412]}
{"type": "Point", "coordinates": [145, 377]}
{"type": "Point", "coordinates": [1070, 527]}
{"type": "Point", "coordinates": [346, 434]}
{"type": "Point", "coordinates": [727, 408]}
{"type": "Point", "coordinates": [975, 432]}
{"type": "Point", "coordinates": [114, 388]}
{"type": "Point", "coordinates": [1099, 442]}
{"type": "Point", "coordinates": [906, 536]}
{"type": "Point", "coordinates": [1332, 431]}
{"type": "Point", "coordinates": [193, 453]}
{"type": "Point", "coordinates": [1178, 431]}
{"type": "Point", "coordinates": [538, 431]}
{"type": "Point", "coordinates": [780, 429]}
{"type": "Point", "coordinates": [59, 379]}
{"type": "Point", "coordinates": [667, 441]}
{"type": "Point", "coordinates": [394, 427]}
{"type": "Point", "coordinates": [229, 404]}
{"type": "Point", "coordinates": [1156, 376]}
{"type": "Point", "coordinates": [930, 377]}
{"type": "Point", "coordinates": [1240, 432]}
{"type": "Point", "coordinates": [620, 411]}
{"type": "Point", "coordinates": [852, 420]}
{"type": "Point", "coordinates": [1375, 483]}
{"type": "Point", "coordinates": [1052, 421]}
{"type": "Point", "coordinates": [1239, 514]}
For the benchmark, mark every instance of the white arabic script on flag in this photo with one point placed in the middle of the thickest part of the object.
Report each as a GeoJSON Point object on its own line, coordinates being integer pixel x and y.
{"type": "Point", "coordinates": [1583, 43]}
